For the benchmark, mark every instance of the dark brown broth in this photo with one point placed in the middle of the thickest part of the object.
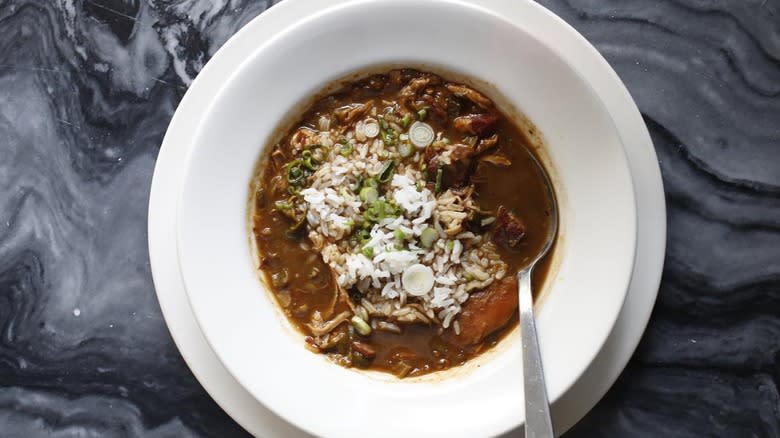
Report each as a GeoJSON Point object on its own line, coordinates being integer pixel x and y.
{"type": "Point", "coordinates": [309, 285]}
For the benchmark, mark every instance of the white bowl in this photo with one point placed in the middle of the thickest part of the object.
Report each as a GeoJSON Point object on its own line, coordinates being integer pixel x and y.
{"type": "Point", "coordinates": [253, 338]}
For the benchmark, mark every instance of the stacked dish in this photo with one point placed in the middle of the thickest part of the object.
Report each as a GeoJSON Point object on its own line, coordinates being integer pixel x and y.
{"type": "Point", "coordinates": [255, 86]}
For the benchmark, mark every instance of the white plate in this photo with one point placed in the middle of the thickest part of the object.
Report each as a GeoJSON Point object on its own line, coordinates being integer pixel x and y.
{"type": "Point", "coordinates": [610, 361]}
{"type": "Point", "coordinates": [245, 326]}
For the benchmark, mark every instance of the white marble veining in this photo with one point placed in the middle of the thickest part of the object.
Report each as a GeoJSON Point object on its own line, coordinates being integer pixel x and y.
{"type": "Point", "coordinates": [87, 88]}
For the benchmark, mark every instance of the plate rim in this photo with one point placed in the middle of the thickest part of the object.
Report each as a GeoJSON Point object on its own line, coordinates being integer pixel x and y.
{"type": "Point", "coordinates": [212, 314]}
{"type": "Point", "coordinates": [233, 46]}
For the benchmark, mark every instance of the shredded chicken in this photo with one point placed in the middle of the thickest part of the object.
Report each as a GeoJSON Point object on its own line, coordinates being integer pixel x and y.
{"type": "Point", "coordinates": [329, 340]}
{"type": "Point", "coordinates": [453, 210]}
{"type": "Point", "coordinates": [276, 186]}
{"type": "Point", "coordinates": [278, 157]}
{"type": "Point", "coordinates": [475, 124]}
{"type": "Point", "coordinates": [344, 295]}
{"type": "Point", "coordinates": [352, 112]}
{"type": "Point", "coordinates": [420, 310]}
{"type": "Point", "coordinates": [319, 328]}
{"type": "Point", "coordinates": [487, 143]}
{"type": "Point", "coordinates": [417, 84]}
{"type": "Point", "coordinates": [438, 102]}
{"type": "Point", "coordinates": [317, 241]}
{"type": "Point", "coordinates": [337, 294]}
{"type": "Point", "coordinates": [472, 95]}
{"type": "Point", "coordinates": [303, 138]}
{"type": "Point", "coordinates": [454, 162]}
{"type": "Point", "coordinates": [496, 160]}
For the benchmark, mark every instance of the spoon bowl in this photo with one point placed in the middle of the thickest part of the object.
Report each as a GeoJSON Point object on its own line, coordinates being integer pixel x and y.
{"type": "Point", "coordinates": [552, 230]}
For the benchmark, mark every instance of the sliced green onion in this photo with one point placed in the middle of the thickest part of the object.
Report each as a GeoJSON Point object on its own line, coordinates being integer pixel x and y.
{"type": "Point", "coordinates": [419, 186]}
{"type": "Point", "coordinates": [439, 173]}
{"type": "Point", "coordinates": [393, 209]}
{"type": "Point", "coordinates": [310, 163]}
{"type": "Point", "coordinates": [417, 280]}
{"type": "Point", "coordinates": [319, 152]}
{"type": "Point", "coordinates": [388, 138]}
{"type": "Point", "coordinates": [387, 171]}
{"type": "Point", "coordinates": [379, 210]}
{"type": "Point", "coordinates": [364, 235]}
{"type": "Point", "coordinates": [421, 134]}
{"type": "Point", "coordinates": [389, 209]}
{"type": "Point", "coordinates": [406, 120]}
{"type": "Point", "coordinates": [379, 207]}
{"type": "Point", "coordinates": [361, 326]}
{"type": "Point", "coordinates": [387, 134]}
{"type": "Point", "coordinates": [406, 150]}
{"type": "Point", "coordinates": [399, 235]}
{"type": "Point", "coordinates": [346, 149]}
{"type": "Point", "coordinates": [428, 236]}
{"type": "Point", "coordinates": [357, 184]}
{"type": "Point", "coordinates": [370, 128]}
{"type": "Point", "coordinates": [422, 114]}
{"type": "Point", "coordinates": [370, 182]}
{"type": "Point", "coordinates": [369, 194]}
{"type": "Point", "coordinates": [368, 252]}
{"type": "Point", "coordinates": [450, 244]}
{"type": "Point", "coordinates": [297, 225]}
{"type": "Point", "coordinates": [294, 172]}
{"type": "Point", "coordinates": [370, 215]}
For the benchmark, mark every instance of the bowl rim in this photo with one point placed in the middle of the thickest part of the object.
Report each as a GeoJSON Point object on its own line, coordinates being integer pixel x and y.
{"type": "Point", "coordinates": [252, 58]}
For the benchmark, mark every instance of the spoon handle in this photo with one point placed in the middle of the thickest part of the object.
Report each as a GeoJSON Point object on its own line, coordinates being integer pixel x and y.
{"type": "Point", "coordinates": [537, 408]}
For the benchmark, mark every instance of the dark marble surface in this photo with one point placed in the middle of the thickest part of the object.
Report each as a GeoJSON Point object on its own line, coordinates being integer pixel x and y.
{"type": "Point", "coordinates": [87, 88]}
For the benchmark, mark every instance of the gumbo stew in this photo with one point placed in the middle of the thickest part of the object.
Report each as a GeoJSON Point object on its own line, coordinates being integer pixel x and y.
{"type": "Point", "coordinates": [391, 219]}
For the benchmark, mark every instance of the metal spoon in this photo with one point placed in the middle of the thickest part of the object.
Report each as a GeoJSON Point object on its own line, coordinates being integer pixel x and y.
{"type": "Point", "coordinates": [538, 423]}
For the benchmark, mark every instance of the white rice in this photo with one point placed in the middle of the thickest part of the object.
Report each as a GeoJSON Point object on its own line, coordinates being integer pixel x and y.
{"type": "Point", "coordinates": [461, 261]}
